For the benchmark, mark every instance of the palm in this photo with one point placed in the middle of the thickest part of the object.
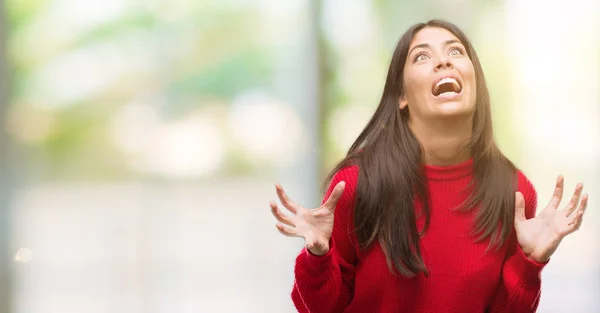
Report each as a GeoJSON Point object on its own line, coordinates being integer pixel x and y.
{"type": "Point", "coordinates": [315, 226]}
{"type": "Point", "coordinates": [540, 236]}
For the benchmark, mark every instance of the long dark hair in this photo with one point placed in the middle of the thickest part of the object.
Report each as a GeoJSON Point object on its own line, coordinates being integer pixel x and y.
{"type": "Point", "coordinates": [391, 173]}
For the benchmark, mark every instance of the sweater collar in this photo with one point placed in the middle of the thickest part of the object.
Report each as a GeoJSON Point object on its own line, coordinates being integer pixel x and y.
{"type": "Point", "coordinates": [451, 172]}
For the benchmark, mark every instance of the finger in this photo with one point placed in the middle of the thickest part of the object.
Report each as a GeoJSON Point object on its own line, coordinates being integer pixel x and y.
{"type": "Point", "coordinates": [572, 205]}
{"type": "Point", "coordinates": [575, 223]}
{"type": "Point", "coordinates": [580, 211]}
{"type": "Point", "coordinates": [519, 207]}
{"type": "Point", "coordinates": [583, 204]}
{"type": "Point", "coordinates": [310, 242]}
{"type": "Point", "coordinates": [279, 215]}
{"type": "Point", "coordinates": [558, 192]}
{"type": "Point", "coordinates": [335, 196]}
{"type": "Point", "coordinates": [285, 200]}
{"type": "Point", "coordinates": [286, 230]}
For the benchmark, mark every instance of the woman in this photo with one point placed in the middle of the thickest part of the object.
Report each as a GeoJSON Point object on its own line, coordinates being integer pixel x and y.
{"type": "Point", "coordinates": [430, 216]}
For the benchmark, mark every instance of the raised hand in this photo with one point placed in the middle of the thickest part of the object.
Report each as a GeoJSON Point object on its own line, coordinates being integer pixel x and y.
{"type": "Point", "coordinates": [540, 236]}
{"type": "Point", "coordinates": [315, 225]}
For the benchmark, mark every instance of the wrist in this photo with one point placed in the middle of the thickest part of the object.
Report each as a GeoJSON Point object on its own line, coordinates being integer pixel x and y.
{"type": "Point", "coordinates": [525, 268]}
{"type": "Point", "coordinates": [535, 257]}
{"type": "Point", "coordinates": [538, 259]}
{"type": "Point", "coordinates": [318, 249]}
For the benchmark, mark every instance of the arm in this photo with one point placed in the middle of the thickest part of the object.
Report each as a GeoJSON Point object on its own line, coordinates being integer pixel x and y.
{"type": "Point", "coordinates": [326, 283]}
{"type": "Point", "coordinates": [520, 285]}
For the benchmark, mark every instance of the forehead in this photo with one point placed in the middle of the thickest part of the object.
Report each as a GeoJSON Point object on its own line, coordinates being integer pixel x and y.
{"type": "Point", "coordinates": [432, 36]}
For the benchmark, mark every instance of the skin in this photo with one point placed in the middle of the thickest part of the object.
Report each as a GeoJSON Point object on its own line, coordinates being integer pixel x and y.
{"type": "Point", "coordinates": [442, 126]}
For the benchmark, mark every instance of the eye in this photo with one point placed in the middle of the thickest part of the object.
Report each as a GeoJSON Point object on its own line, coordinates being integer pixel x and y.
{"type": "Point", "coordinates": [456, 51]}
{"type": "Point", "coordinates": [421, 56]}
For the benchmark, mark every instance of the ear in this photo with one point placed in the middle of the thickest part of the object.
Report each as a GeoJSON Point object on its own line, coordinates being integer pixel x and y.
{"type": "Point", "coordinates": [402, 103]}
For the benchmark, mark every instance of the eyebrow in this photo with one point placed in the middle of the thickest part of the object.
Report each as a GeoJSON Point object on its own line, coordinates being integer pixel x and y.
{"type": "Point", "coordinates": [424, 45]}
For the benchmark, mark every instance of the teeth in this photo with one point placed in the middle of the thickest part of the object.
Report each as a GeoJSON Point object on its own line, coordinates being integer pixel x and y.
{"type": "Point", "coordinates": [447, 80]}
{"type": "Point", "coordinates": [444, 81]}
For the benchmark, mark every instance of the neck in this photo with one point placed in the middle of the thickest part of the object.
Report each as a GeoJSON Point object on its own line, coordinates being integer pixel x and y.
{"type": "Point", "coordinates": [444, 142]}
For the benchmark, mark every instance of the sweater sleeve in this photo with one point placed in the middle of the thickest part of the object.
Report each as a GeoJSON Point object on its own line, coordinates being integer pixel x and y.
{"type": "Point", "coordinates": [520, 285]}
{"type": "Point", "coordinates": [326, 283]}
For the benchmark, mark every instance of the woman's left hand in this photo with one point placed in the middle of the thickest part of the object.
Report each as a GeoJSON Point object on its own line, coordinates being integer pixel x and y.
{"type": "Point", "coordinates": [540, 236]}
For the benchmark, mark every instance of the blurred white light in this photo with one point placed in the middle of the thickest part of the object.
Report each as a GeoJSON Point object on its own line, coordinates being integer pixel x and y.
{"type": "Point", "coordinates": [189, 148]}
{"type": "Point", "coordinates": [289, 17]}
{"type": "Point", "coordinates": [80, 15]}
{"type": "Point", "coordinates": [278, 9]}
{"type": "Point", "coordinates": [60, 23]}
{"type": "Point", "coordinates": [77, 75]}
{"type": "Point", "coordinates": [350, 26]}
{"type": "Point", "coordinates": [23, 255]}
{"type": "Point", "coordinates": [98, 69]}
{"type": "Point", "coordinates": [557, 93]}
{"type": "Point", "coordinates": [346, 124]}
{"type": "Point", "coordinates": [174, 11]}
{"type": "Point", "coordinates": [133, 127]}
{"type": "Point", "coordinates": [571, 140]}
{"type": "Point", "coordinates": [267, 129]}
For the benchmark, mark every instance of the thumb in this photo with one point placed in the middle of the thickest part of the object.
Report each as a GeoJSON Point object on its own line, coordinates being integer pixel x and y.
{"type": "Point", "coordinates": [335, 196]}
{"type": "Point", "coordinates": [519, 207]}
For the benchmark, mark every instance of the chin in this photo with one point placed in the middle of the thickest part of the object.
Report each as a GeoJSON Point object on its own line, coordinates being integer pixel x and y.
{"type": "Point", "coordinates": [453, 109]}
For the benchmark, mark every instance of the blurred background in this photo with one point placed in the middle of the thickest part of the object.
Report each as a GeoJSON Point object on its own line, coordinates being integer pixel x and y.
{"type": "Point", "coordinates": [141, 139]}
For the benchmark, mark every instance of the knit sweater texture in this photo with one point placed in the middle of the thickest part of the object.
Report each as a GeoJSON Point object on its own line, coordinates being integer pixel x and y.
{"type": "Point", "coordinates": [463, 276]}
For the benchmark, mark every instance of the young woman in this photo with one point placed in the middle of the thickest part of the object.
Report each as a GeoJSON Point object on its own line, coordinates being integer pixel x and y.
{"type": "Point", "coordinates": [430, 216]}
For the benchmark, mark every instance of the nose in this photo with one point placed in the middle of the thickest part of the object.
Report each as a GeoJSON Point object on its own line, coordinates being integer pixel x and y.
{"type": "Point", "coordinates": [444, 63]}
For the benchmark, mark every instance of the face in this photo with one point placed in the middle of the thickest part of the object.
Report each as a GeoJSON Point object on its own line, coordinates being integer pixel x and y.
{"type": "Point", "coordinates": [439, 78]}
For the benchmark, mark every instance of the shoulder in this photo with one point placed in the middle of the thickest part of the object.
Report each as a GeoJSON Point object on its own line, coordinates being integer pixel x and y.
{"type": "Point", "coordinates": [349, 175]}
{"type": "Point", "coordinates": [525, 187]}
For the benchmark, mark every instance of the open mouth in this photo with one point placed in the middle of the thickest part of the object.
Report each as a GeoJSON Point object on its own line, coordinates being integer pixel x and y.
{"type": "Point", "coordinates": [445, 85]}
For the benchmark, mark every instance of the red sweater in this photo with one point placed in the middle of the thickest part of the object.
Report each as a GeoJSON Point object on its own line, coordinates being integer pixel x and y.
{"type": "Point", "coordinates": [463, 277]}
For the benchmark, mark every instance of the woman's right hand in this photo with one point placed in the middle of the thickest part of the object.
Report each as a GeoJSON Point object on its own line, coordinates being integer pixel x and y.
{"type": "Point", "coordinates": [315, 225]}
